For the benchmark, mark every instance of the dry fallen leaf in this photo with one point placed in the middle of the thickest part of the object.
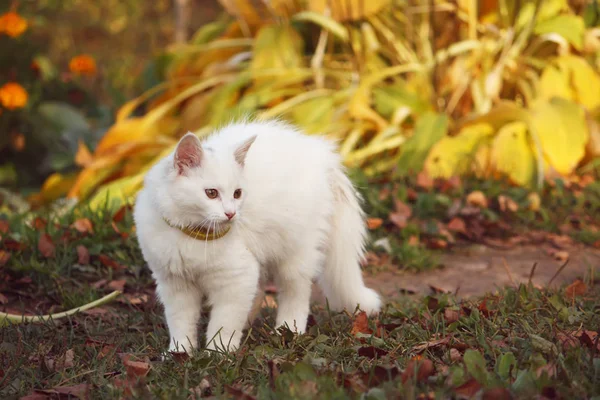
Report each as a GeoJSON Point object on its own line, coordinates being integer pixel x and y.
{"type": "Point", "coordinates": [451, 315]}
{"type": "Point", "coordinates": [577, 288]}
{"type": "Point", "coordinates": [60, 363]}
{"type": "Point", "coordinates": [39, 223]}
{"type": "Point", "coordinates": [4, 226]}
{"type": "Point", "coordinates": [477, 199]}
{"type": "Point", "coordinates": [432, 343]}
{"type": "Point", "coordinates": [468, 389]}
{"type": "Point", "coordinates": [455, 355]}
{"type": "Point", "coordinates": [4, 257]}
{"type": "Point", "coordinates": [117, 284]}
{"type": "Point", "coordinates": [561, 256]}
{"type": "Point", "coordinates": [457, 224]}
{"type": "Point", "coordinates": [361, 324]}
{"type": "Point", "coordinates": [83, 255]}
{"type": "Point", "coordinates": [83, 225]}
{"type": "Point", "coordinates": [399, 220]}
{"type": "Point", "coordinates": [498, 393]}
{"type": "Point", "coordinates": [3, 299]}
{"type": "Point", "coordinates": [134, 299]}
{"type": "Point", "coordinates": [424, 369]}
{"type": "Point", "coordinates": [424, 181]}
{"type": "Point", "coordinates": [46, 246]}
{"type": "Point", "coordinates": [374, 223]}
{"type": "Point", "coordinates": [109, 262]}
{"type": "Point", "coordinates": [413, 240]}
{"type": "Point", "coordinates": [534, 201]}
{"type": "Point", "coordinates": [507, 204]}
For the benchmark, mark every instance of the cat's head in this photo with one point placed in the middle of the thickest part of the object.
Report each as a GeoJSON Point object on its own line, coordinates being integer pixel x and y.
{"type": "Point", "coordinates": [206, 184]}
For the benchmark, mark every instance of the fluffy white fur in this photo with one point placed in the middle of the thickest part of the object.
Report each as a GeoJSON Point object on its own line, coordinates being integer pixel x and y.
{"type": "Point", "coordinates": [298, 219]}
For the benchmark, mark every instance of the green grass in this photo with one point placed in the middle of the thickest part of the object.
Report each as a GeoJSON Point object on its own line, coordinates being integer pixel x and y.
{"type": "Point", "coordinates": [522, 342]}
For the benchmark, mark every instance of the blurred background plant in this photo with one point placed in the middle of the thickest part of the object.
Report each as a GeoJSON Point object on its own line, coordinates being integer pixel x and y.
{"type": "Point", "coordinates": [491, 88]}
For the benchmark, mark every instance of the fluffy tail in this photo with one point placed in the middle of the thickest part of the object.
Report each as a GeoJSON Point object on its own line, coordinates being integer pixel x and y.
{"type": "Point", "coordinates": [341, 280]}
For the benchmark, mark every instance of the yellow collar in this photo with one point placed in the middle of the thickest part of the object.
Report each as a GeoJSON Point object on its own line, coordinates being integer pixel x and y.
{"type": "Point", "coordinates": [201, 233]}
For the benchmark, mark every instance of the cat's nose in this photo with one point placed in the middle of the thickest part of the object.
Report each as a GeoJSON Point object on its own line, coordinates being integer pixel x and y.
{"type": "Point", "coordinates": [230, 215]}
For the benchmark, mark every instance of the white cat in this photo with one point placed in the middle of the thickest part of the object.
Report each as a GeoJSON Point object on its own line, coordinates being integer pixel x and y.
{"type": "Point", "coordinates": [253, 198]}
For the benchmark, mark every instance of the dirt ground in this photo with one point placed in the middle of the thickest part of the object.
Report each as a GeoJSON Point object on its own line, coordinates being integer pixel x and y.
{"type": "Point", "coordinates": [475, 270]}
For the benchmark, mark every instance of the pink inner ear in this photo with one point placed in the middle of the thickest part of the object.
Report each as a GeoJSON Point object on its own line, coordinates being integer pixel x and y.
{"type": "Point", "coordinates": [188, 154]}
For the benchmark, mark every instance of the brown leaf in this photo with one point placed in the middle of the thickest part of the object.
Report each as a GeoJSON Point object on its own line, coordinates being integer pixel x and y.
{"type": "Point", "coordinates": [424, 369]}
{"type": "Point", "coordinates": [468, 389]}
{"type": "Point", "coordinates": [36, 395]}
{"type": "Point", "coordinates": [99, 284]}
{"type": "Point", "coordinates": [457, 224]}
{"type": "Point", "coordinates": [371, 352]}
{"type": "Point", "coordinates": [413, 240]}
{"type": "Point", "coordinates": [455, 355]}
{"type": "Point", "coordinates": [498, 393]}
{"type": "Point", "coordinates": [561, 256]}
{"type": "Point", "coordinates": [83, 255]}
{"type": "Point", "coordinates": [451, 315]}
{"type": "Point", "coordinates": [548, 369]}
{"type": "Point", "coordinates": [374, 223]}
{"type": "Point", "coordinates": [136, 368]}
{"type": "Point", "coordinates": [202, 390]}
{"type": "Point", "coordinates": [4, 257]}
{"type": "Point", "coordinates": [79, 391]}
{"type": "Point", "coordinates": [117, 284]}
{"type": "Point", "coordinates": [109, 262]}
{"type": "Point", "coordinates": [402, 208]}
{"type": "Point", "coordinates": [60, 363]}
{"type": "Point", "coordinates": [507, 204]}
{"type": "Point", "coordinates": [238, 394]}
{"type": "Point", "coordinates": [45, 246]}
{"type": "Point", "coordinates": [588, 338]}
{"type": "Point", "coordinates": [120, 214]}
{"type": "Point", "coordinates": [83, 225]}
{"type": "Point", "coordinates": [361, 324]}
{"type": "Point", "coordinates": [105, 351]}
{"type": "Point", "coordinates": [134, 299]}
{"type": "Point", "coordinates": [424, 181]}
{"type": "Point", "coordinates": [4, 226]}
{"type": "Point", "coordinates": [477, 199]}
{"type": "Point", "coordinates": [577, 288]}
{"type": "Point", "coordinates": [432, 343]}
{"type": "Point", "coordinates": [3, 299]}
{"type": "Point", "coordinates": [437, 243]}
{"type": "Point", "coordinates": [39, 223]}
{"type": "Point", "coordinates": [399, 220]}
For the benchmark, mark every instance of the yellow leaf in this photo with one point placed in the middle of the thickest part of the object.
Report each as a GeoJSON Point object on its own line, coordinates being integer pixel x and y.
{"type": "Point", "coordinates": [83, 157]}
{"type": "Point", "coordinates": [324, 22]}
{"type": "Point", "coordinates": [453, 156]}
{"type": "Point", "coordinates": [56, 186]}
{"type": "Point", "coordinates": [512, 155]}
{"type": "Point", "coordinates": [315, 114]}
{"type": "Point", "coordinates": [348, 10]}
{"type": "Point", "coordinates": [277, 46]}
{"type": "Point", "coordinates": [117, 192]}
{"type": "Point", "coordinates": [554, 82]}
{"type": "Point", "coordinates": [128, 130]}
{"type": "Point", "coordinates": [583, 78]}
{"type": "Point", "coordinates": [562, 131]}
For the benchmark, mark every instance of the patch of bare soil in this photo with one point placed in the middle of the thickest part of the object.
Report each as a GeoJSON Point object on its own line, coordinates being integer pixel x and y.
{"type": "Point", "coordinates": [477, 270]}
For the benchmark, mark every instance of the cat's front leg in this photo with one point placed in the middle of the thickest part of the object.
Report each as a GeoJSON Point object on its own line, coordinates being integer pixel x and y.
{"type": "Point", "coordinates": [232, 299]}
{"type": "Point", "coordinates": [182, 302]}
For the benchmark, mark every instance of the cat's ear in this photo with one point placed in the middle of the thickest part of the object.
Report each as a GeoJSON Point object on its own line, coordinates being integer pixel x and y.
{"type": "Point", "coordinates": [188, 153]}
{"type": "Point", "coordinates": [240, 152]}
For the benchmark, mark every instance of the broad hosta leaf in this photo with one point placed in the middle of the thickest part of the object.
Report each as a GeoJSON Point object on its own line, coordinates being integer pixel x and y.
{"type": "Point", "coordinates": [277, 46]}
{"type": "Point", "coordinates": [63, 116]}
{"type": "Point", "coordinates": [570, 27]}
{"type": "Point", "coordinates": [429, 129]}
{"type": "Point", "coordinates": [584, 79]}
{"type": "Point", "coordinates": [562, 131]}
{"type": "Point", "coordinates": [388, 99]}
{"type": "Point", "coordinates": [554, 82]}
{"type": "Point", "coordinates": [315, 114]}
{"type": "Point", "coordinates": [454, 155]}
{"type": "Point", "coordinates": [512, 154]}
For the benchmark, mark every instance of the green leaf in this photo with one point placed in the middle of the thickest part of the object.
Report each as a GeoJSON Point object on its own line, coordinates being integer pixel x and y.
{"type": "Point", "coordinates": [506, 364]}
{"type": "Point", "coordinates": [570, 27]}
{"type": "Point", "coordinates": [63, 117]}
{"type": "Point", "coordinates": [315, 114]}
{"type": "Point", "coordinates": [388, 99]}
{"type": "Point", "coordinates": [543, 345]}
{"type": "Point", "coordinates": [476, 366]}
{"type": "Point", "coordinates": [429, 129]}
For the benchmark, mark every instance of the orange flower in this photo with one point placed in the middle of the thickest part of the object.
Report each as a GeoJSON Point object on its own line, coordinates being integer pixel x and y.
{"type": "Point", "coordinates": [12, 96]}
{"type": "Point", "coordinates": [83, 65]}
{"type": "Point", "coordinates": [12, 24]}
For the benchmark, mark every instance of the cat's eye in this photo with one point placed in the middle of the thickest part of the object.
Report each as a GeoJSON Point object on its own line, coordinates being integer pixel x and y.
{"type": "Point", "coordinates": [212, 193]}
{"type": "Point", "coordinates": [237, 194]}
